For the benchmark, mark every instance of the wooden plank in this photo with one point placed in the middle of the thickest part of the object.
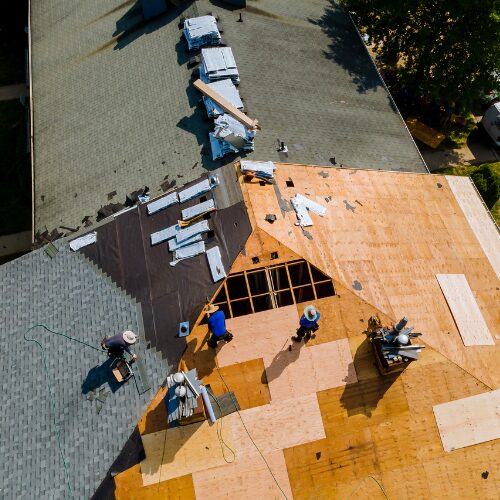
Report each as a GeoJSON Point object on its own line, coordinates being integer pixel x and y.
{"type": "Point", "coordinates": [246, 478]}
{"type": "Point", "coordinates": [477, 216]}
{"type": "Point", "coordinates": [424, 133]}
{"type": "Point", "coordinates": [226, 105]}
{"type": "Point", "coordinates": [182, 450]}
{"type": "Point", "coordinates": [466, 312]}
{"type": "Point", "coordinates": [469, 421]}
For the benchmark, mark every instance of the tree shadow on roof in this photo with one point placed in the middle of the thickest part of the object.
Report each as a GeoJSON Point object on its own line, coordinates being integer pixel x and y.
{"type": "Point", "coordinates": [346, 49]}
{"type": "Point", "coordinates": [132, 24]}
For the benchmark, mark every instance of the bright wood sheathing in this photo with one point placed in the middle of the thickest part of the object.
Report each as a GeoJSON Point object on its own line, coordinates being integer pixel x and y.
{"type": "Point", "coordinates": [392, 233]}
{"type": "Point", "coordinates": [378, 428]}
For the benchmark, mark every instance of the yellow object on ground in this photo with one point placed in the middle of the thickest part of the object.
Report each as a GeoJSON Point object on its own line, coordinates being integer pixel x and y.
{"type": "Point", "coordinates": [425, 134]}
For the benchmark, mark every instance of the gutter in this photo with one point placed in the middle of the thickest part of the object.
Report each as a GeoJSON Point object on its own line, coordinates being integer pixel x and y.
{"type": "Point", "coordinates": [32, 149]}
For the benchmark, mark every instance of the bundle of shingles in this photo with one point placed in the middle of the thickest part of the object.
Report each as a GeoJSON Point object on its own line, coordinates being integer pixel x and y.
{"type": "Point", "coordinates": [182, 404]}
{"type": "Point", "coordinates": [218, 63]}
{"type": "Point", "coordinates": [185, 239]}
{"type": "Point", "coordinates": [228, 91]}
{"type": "Point", "coordinates": [230, 136]}
{"type": "Point", "coordinates": [302, 206]}
{"type": "Point", "coordinates": [201, 31]}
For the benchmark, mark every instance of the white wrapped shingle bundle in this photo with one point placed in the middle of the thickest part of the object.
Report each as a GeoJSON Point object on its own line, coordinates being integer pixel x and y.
{"type": "Point", "coordinates": [230, 136]}
{"type": "Point", "coordinates": [228, 91]}
{"type": "Point", "coordinates": [201, 31]}
{"type": "Point", "coordinates": [217, 63]}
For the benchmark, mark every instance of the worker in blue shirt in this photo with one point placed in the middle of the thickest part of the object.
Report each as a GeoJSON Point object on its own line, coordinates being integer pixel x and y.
{"type": "Point", "coordinates": [217, 326]}
{"type": "Point", "coordinates": [308, 324]}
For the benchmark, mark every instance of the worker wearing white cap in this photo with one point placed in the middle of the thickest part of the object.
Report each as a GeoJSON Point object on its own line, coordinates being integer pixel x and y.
{"type": "Point", "coordinates": [308, 324]}
{"type": "Point", "coordinates": [118, 344]}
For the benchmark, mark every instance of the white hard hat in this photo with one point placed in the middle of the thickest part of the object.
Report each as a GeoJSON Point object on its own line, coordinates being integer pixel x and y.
{"type": "Point", "coordinates": [129, 337]}
{"type": "Point", "coordinates": [403, 339]}
{"type": "Point", "coordinates": [310, 313]}
{"type": "Point", "coordinates": [180, 391]}
{"type": "Point", "coordinates": [178, 378]}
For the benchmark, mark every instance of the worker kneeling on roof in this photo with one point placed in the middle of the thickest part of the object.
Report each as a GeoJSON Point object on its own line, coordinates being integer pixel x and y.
{"type": "Point", "coordinates": [217, 325]}
{"type": "Point", "coordinates": [118, 344]}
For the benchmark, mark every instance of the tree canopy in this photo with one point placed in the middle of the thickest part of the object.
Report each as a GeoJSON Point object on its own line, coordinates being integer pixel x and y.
{"type": "Point", "coordinates": [446, 50]}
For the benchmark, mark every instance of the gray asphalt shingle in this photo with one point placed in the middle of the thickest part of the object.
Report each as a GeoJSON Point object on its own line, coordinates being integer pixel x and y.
{"type": "Point", "coordinates": [113, 114]}
{"type": "Point", "coordinates": [68, 295]}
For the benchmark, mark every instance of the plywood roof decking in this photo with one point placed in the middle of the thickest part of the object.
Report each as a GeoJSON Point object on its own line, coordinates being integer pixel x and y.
{"type": "Point", "coordinates": [469, 421]}
{"type": "Point", "coordinates": [481, 222]}
{"type": "Point", "coordinates": [385, 236]}
{"type": "Point", "coordinates": [463, 306]}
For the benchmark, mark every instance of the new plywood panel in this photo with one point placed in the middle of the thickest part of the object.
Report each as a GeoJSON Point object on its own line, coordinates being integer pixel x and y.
{"type": "Point", "coordinates": [307, 370]}
{"type": "Point", "coordinates": [466, 312]}
{"type": "Point", "coordinates": [258, 335]}
{"type": "Point", "coordinates": [182, 450]}
{"type": "Point", "coordinates": [278, 425]}
{"type": "Point", "coordinates": [246, 478]}
{"type": "Point", "coordinates": [128, 486]}
{"type": "Point", "coordinates": [469, 421]}
{"type": "Point", "coordinates": [478, 218]}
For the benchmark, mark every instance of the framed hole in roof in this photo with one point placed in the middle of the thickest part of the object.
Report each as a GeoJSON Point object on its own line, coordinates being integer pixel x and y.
{"type": "Point", "coordinates": [270, 287]}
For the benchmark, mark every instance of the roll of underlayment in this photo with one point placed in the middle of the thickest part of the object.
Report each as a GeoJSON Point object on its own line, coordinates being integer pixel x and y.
{"type": "Point", "coordinates": [208, 405]}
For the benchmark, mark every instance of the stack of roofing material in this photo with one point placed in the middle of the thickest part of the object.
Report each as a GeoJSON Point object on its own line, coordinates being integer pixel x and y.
{"type": "Point", "coordinates": [218, 64]}
{"type": "Point", "coordinates": [179, 407]}
{"type": "Point", "coordinates": [228, 91]}
{"type": "Point", "coordinates": [230, 136]}
{"type": "Point", "coordinates": [266, 168]}
{"type": "Point", "coordinates": [201, 31]}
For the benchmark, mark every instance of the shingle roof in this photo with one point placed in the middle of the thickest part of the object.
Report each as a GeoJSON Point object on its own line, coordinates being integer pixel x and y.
{"type": "Point", "coordinates": [68, 295]}
{"type": "Point", "coordinates": [115, 109]}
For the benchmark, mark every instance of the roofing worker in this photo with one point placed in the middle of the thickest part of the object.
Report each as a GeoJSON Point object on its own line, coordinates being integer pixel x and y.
{"type": "Point", "coordinates": [308, 324]}
{"type": "Point", "coordinates": [118, 344]}
{"type": "Point", "coordinates": [217, 325]}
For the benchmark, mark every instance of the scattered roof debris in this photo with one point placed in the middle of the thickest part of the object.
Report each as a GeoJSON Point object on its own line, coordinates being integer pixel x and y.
{"type": "Point", "coordinates": [83, 241]}
{"type": "Point", "coordinates": [302, 206]}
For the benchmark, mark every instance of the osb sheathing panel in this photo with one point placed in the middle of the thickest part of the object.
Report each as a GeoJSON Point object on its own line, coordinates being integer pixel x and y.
{"type": "Point", "coordinates": [468, 421]}
{"type": "Point", "coordinates": [181, 450]}
{"type": "Point", "coordinates": [238, 375]}
{"type": "Point", "coordinates": [246, 478]}
{"type": "Point", "coordinates": [128, 486]}
{"type": "Point", "coordinates": [381, 422]}
{"type": "Point", "coordinates": [480, 221]}
{"type": "Point", "coordinates": [392, 233]}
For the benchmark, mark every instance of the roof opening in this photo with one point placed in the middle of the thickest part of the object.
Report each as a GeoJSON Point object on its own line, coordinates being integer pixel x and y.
{"type": "Point", "coordinates": [255, 260]}
{"type": "Point", "coordinates": [274, 255]}
{"type": "Point", "coordinates": [271, 287]}
{"type": "Point", "coordinates": [289, 183]}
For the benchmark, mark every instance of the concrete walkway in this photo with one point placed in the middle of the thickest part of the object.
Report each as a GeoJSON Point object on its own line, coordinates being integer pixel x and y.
{"type": "Point", "coordinates": [9, 92]}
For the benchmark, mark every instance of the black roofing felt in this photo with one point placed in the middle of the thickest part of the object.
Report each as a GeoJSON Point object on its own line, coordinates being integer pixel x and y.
{"type": "Point", "coordinates": [170, 295]}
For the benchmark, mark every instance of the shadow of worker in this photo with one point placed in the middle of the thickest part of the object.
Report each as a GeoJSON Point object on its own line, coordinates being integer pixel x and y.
{"type": "Point", "coordinates": [364, 396]}
{"type": "Point", "coordinates": [100, 375]}
{"type": "Point", "coordinates": [285, 357]}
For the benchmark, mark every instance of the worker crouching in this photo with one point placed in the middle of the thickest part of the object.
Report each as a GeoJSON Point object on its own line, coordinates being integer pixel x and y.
{"type": "Point", "coordinates": [118, 344]}
{"type": "Point", "coordinates": [308, 324]}
{"type": "Point", "coordinates": [217, 326]}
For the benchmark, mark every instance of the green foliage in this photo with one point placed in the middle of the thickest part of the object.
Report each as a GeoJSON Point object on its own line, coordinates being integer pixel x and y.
{"type": "Point", "coordinates": [487, 182]}
{"type": "Point", "coordinates": [446, 50]}
{"type": "Point", "coordinates": [457, 135]}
